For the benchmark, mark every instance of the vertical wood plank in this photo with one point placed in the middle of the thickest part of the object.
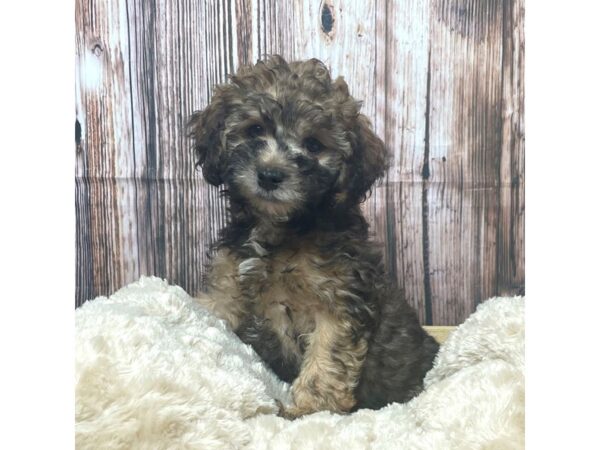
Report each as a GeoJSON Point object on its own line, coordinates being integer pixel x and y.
{"type": "Point", "coordinates": [462, 155]}
{"type": "Point", "coordinates": [375, 208]}
{"type": "Point", "coordinates": [511, 227]}
{"type": "Point", "coordinates": [84, 270]}
{"type": "Point", "coordinates": [103, 153]}
{"type": "Point", "coordinates": [245, 43]}
{"type": "Point", "coordinates": [405, 84]}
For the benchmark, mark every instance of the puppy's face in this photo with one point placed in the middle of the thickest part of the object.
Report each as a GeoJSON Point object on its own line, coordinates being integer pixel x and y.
{"type": "Point", "coordinates": [285, 140]}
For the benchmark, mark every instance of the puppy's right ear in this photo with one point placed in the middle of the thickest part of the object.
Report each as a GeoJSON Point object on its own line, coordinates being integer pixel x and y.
{"type": "Point", "coordinates": [206, 129]}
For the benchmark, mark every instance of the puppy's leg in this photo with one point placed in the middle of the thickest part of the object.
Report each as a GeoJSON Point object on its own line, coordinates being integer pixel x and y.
{"type": "Point", "coordinates": [223, 298]}
{"type": "Point", "coordinates": [330, 369]}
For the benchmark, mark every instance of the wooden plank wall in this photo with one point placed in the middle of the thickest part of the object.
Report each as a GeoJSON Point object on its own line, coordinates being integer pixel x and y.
{"type": "Point", "coordinates": [442, 81]}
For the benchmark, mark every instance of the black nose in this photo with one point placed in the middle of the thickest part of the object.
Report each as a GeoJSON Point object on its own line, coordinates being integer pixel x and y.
{"type": "Point", "coordinates": [269, 179]}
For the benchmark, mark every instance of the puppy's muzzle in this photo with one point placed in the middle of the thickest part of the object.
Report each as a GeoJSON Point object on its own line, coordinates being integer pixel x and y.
{"type": "Point", "coordinates": [269, 178]}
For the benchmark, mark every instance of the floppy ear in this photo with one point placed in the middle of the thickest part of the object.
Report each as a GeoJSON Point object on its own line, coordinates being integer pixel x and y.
{"type": "Point", "coordinates": [375, 158]}
{"type": "Point", "coordinates": [368, 163]}
{"type": "Point", "coordinates": [205, 128]}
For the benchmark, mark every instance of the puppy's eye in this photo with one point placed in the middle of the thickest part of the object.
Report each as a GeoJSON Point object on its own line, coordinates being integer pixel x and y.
{"type": "Point", "coordinates": [313, 145]}
{"type": "Point", "coordinates": [255, 130]}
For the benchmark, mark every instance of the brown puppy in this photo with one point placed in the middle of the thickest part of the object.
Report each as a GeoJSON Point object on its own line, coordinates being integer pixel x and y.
{"type": "Point", "coordinates": [295, 274]}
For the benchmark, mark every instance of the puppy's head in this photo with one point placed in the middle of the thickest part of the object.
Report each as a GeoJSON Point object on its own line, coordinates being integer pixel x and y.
{"type": "Point", "coordinates": [286, 139]}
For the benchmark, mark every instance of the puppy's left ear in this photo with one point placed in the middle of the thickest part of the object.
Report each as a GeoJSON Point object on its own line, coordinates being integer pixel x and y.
{"type": "Point", "coordinates": [375, 158]}
{"type": "Point", "coordinates": [370, 161]}
{"type": "Point", "coordinates": [206, 129]}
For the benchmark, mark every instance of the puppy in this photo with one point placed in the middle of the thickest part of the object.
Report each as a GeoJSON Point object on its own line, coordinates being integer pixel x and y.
{"type": "Point", "coordinates": [294, 272]}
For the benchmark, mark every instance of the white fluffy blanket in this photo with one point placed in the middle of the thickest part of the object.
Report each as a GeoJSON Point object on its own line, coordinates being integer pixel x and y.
{"type": "Point", "coordinates": [154, 370]}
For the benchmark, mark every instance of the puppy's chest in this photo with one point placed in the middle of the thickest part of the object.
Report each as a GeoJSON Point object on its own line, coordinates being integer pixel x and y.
{"type": "Point", "coordinates": [287, 286]}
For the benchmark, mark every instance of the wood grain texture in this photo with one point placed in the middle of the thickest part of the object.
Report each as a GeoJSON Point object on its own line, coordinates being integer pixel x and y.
{"type": "Point", "coordinates": [462, 155]}
{"type": "Point", "coordinates": [511, 227]}
{"type": "Point", "coordinates": [441, 80]}
{"type": "Point", "coordinates": [405, 118]}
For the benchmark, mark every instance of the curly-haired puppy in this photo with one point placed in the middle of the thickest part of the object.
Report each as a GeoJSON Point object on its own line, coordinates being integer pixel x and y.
{"type": "Point", "coordinates": [295, 273]}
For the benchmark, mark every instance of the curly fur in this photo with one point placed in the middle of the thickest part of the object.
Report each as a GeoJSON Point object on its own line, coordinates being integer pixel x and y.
{"type": "Point", "coordinates": [295, 273]}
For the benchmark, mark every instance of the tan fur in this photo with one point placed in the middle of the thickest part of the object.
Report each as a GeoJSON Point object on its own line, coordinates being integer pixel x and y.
{"type": "Point", "coordinates": [224, 298]}
{"type": "Point", "coordinates": [325, 382]}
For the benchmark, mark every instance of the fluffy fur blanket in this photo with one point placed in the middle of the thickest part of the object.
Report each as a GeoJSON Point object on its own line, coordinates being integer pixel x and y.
{"type": "Point", "coordinates": [154, 370]}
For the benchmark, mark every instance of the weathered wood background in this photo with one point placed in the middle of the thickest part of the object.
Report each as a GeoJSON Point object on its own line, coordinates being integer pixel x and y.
{"type": "Point", "coordinates": [442, 81]}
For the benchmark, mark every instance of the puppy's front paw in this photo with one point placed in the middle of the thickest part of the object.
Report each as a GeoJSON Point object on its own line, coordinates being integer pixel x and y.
{"type": "Point", "coordinates": [280, 408]}
{"type": "Point", "coordinates": [291, 412]}
{"type": "Point", "coordinates": [309, 399]}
